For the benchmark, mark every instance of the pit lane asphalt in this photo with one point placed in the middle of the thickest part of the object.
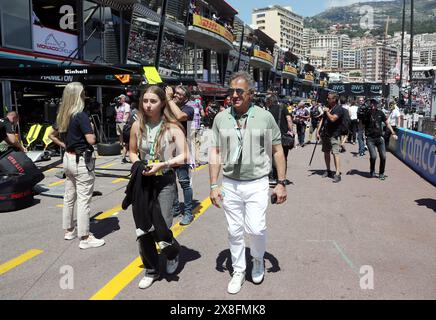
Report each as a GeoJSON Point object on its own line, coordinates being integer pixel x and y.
{"type": "Point", "coordinates": [318, 240]}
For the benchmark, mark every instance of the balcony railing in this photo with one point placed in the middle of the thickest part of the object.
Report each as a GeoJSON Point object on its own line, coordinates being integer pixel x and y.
{"type": "Point", "coordinates": [263, 55]}
{"type": "Point", "coordinates": [212, 26]}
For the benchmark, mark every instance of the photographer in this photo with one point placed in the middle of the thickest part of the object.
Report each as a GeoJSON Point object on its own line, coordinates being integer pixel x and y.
{"type": "Point", "coordinates": [329, 129]}
{"type": "Point", "coordinates": [372, 119]}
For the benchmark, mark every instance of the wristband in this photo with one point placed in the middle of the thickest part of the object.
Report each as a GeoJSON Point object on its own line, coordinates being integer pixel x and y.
{"type": "Point", "coordinates": [167, 164]}
{"type": "Point", "coordinates": [213, 186]}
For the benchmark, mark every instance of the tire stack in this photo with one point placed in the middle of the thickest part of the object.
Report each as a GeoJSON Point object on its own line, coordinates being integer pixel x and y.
{"type": "Point", "coordinates": [18, 176]}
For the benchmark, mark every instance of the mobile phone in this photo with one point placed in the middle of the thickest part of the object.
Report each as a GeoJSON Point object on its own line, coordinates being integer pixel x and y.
{"type": "Point", "coordinates": [273, 198]}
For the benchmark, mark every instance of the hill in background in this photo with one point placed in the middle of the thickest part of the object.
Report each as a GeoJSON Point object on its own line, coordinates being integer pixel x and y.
{"type": "Point", "coordinates": [350, 17]}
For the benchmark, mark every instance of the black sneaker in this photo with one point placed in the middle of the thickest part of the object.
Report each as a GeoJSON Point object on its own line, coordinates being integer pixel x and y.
{"type": "Point", "coordinates": [327, 173]}
{"type": "Point", "coordinates": [372, 174]}
{"type": "Point", "coordinates": [124, 160]}
{"type": "Point", "coordinates": [337, 178]}
{"type": "Point", "coordinates": [382, 176]}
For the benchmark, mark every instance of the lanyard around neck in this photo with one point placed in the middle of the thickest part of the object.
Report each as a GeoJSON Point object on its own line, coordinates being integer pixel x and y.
{"type": "Point", "coordinates": [153, 145]}
{"type": "Point", "coordinates": [237, 127]}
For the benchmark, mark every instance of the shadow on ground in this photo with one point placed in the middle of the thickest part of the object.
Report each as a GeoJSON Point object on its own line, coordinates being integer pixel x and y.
{"type": "Point", "coordinates": [101, 228]}
{"type": "Point", "coordinates": [427, 202]}
{"type": "Point", "coordinates": [224, 262]}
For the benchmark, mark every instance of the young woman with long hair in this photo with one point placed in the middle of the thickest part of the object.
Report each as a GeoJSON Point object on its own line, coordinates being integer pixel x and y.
{"type": "Point", "coordinates": [157, 141]}
{"type": "Point", "coordinates": [74, 132]}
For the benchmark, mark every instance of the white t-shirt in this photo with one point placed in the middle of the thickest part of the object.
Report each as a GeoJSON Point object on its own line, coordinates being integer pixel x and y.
{"type": "Point", "coordinates": [353, 112]}
{"type": "Point", "coordinates": [121, 111]}
{"type": "Point", "coordinates": [394, 116]}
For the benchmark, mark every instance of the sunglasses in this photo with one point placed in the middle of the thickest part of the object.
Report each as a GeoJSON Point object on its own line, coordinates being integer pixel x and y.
{"type": "Point", "coordinates": [239, 91]}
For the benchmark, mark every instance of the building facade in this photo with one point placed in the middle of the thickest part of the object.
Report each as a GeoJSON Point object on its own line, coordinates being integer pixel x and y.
{"type": "Point", "coordinates": [282, 25]}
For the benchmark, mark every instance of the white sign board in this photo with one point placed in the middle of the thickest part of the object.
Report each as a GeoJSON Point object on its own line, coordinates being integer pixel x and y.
{"type": "Point", "coordinates": [46, 40]}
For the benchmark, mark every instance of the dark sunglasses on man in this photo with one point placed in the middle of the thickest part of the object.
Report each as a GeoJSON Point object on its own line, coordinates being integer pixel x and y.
{"type": "Point", "coordinates": [239, 91]}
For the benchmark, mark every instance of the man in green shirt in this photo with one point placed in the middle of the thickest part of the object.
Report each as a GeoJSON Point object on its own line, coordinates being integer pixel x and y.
{"type": "Point", "coordinates": [245, 138]}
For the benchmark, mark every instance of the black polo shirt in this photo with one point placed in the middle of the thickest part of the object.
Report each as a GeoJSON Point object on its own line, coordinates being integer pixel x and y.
{"type": "Point", "coordinates": [333, 129]}
{"type": "Point", "coordinates": [282, 122]}
{"type": "Point", "coordinates": [74, 138]}
{"type": "Point", "coordinates": [373, 124]}
{"type": "Point", "coordinates": [189, 110]}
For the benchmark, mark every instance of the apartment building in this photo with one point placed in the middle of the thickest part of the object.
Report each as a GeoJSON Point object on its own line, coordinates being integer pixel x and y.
{"type": "Point", "coordinates": [378, 60]}
{"type": "Point", "coordinates": [281, 24]}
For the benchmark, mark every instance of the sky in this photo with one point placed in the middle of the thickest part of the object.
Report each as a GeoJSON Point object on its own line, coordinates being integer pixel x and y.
{"type": "Point", "coordinates": [306, 8]}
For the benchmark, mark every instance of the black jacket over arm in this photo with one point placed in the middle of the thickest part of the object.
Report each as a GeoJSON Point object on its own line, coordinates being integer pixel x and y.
{"type": "Point", "coordinates": [142, 193]}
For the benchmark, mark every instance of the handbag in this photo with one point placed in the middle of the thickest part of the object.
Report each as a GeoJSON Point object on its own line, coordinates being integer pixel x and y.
{"type": "Point", "coordinates": [288, 140]}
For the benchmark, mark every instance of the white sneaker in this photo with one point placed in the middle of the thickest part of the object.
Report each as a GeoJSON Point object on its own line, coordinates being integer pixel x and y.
{"type": "Point", "coordinates": [172, 265]}
{"type": "Point", "coordinates": [147, 281]}
{"type": "Point", "coordinates": [91, 242]}
{"type": "Point", "coordinates": [258, 271]}
{"type": "Point", "coordinates": [235, 284]}
{"type": "Point", "coordinates": [70, 235]}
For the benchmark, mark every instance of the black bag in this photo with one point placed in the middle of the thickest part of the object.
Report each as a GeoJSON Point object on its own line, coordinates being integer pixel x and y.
{"type": "Point", "coordinates": [127, 127]}
{"type": "Point", "coordinates": [288, 141]}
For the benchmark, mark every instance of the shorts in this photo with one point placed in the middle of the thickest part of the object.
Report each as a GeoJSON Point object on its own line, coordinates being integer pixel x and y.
{"type": "Point", "coordinates": [120, 126]}
{"type": "Point", "coordinates": [330, 144]}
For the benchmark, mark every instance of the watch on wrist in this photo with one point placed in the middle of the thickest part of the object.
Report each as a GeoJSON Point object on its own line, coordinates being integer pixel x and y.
{"type": "Point", "coordinates": [282, 182]}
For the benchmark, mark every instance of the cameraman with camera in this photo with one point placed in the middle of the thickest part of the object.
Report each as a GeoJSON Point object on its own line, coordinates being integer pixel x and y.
{"type": "Point", "coordinates": [372, 119]}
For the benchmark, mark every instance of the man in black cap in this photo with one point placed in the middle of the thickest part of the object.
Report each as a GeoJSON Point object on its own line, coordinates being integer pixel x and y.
{"type": "Point", "coordinates": [374, 137]}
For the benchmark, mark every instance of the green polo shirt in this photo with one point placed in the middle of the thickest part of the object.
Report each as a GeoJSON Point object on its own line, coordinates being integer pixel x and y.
{"type": "Point", "coordinates": [260, 134]}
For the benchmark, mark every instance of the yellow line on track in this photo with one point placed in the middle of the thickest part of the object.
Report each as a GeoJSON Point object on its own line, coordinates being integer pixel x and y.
{"type": "Point", "coordinates": [119, 180]}
{"type": "Point", "coordinates": [109, 212]}
{"type": "Point", "coordinates": [56, 183]}
{"type": "Point", "coordinates": [122, 279]}
{"type": "Point", "coordinates": [201, 167]}
{"type": "Point", "coordinates": [107, 166]}
{"type": "Point", "coordinates": [5, 267]}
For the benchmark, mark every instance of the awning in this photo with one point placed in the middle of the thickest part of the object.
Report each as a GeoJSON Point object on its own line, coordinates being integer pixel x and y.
{"type": "Point", "coordinates": [88, 75]}
{"type": "Point", "coordinates": [211, 89]}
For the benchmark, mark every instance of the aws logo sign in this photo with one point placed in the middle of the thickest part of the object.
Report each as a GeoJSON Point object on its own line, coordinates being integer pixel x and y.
{"type": "Point", "coordinates": [357, 88]}
{"type": "Point", "coordinates": [339, 88]}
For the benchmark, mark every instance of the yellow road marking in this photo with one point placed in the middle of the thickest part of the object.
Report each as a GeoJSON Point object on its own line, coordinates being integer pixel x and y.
{"type": "Point", "coordinates": [60, 205]}
{"type": "Point", "coordinates": [107, 166]}
{"type": "Point", "coordinates": [201, 167]}
{"type": "Point", "coordinates": [49, 170]}
{"type": "Point", "coordinates": [5, 267]}
{"type": "Point", "coordinates": [56, 183]}
{"type": "Point", "coordinates": [119, 180]}
{"type": "Point", "coordinates": [109, 212]}
{"type": "Point", "coordinates": [122, 279]}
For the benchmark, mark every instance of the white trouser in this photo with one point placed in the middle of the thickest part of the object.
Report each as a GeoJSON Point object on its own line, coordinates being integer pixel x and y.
{"type": "Point", "coordinates": [245, 204]}
{"type": "Point", "coordinates": [79, 186]}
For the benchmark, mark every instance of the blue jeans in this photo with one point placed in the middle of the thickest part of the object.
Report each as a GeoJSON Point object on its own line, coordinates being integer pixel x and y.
{"type": "Point", "coordinates": [185, 182]}
{"type": "Point", "coordinates": [378, 143]}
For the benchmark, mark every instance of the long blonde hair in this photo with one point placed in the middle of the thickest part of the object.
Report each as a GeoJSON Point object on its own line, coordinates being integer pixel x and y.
{"type": "Point", "coordinates": [71, 104]}
{"type": "Point", "coordinates": [167, 116]}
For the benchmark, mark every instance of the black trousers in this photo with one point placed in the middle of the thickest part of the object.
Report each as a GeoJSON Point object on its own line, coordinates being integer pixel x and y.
{"type": "Point", "coordinates": [273, 173]}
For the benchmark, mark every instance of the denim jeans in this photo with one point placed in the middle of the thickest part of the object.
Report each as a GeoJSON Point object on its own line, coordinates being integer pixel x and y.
{"type": "Point", "coordinates": [301, 131]}
{"type": "Point", "coordinates": [378, 143]}
{"type": "Point", "coordinates": [185, 183]}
